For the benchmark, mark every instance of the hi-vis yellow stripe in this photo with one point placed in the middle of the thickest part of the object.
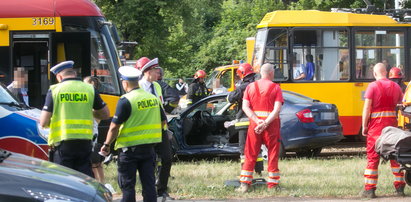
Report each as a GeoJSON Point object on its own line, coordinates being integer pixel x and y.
{"type": "Point", "coordinates": [71, 122]}
{"type": "Point", "coordinates": [142, 127]}
{"type": "Point", "coordinates": [78, 131]}
{"type": "Point", "coordinates": [245, 123]}
{"type": "Point", "coordinates": [134, 138]}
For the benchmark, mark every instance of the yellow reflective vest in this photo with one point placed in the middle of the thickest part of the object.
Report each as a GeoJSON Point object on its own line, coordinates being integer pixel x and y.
{"type": "Point", "coordinates": [144, 124]}
{"type": "Point", "coordinates": [72, 111]}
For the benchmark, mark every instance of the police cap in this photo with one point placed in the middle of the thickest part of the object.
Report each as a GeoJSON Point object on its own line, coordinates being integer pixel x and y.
{"type": "Point", "coordinates": [62, 66]}
{"type": "Point", "coordinates": [150, 64]}
{"type": "Point", "coordinates": [129, 73]}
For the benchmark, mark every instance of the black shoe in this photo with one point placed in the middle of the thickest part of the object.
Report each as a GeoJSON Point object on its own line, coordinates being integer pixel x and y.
{"type": "Point", "coordinates": [166, 197]}
{"type": "Point", "coordinates": [368, 193]}
{"type": "Point", "coordinates": [400, 191]}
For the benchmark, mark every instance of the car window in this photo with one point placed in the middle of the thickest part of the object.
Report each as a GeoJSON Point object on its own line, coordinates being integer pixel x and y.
{"type": "Point", "coordinates": [5, 96]}
{"type": "Point", "coordinates": [214, 107]}
{"type": "Point", "coordinates": [296, 98]}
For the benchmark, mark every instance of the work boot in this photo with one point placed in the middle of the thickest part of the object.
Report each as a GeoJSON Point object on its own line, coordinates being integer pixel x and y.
{"type": "Point", "coordinates": [368, 193]}
{"type": "Point", "coordinates": [165, 197]}
{"type": "Point", "coordinates": [243, 188]}
{"type": "Point", "coordinates": [274, 188]}
{"type": "Point", "coordinates": [400, 191]}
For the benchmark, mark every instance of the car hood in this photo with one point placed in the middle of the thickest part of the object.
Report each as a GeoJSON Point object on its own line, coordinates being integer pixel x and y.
{"type": "Point", "coordinates": [24, 176]}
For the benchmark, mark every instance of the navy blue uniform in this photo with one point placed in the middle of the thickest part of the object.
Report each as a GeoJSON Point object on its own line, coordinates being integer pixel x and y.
{"type": "Point", "coordinates": [136, 158]}
{"type": "Point", "coordinates": [74, 154]}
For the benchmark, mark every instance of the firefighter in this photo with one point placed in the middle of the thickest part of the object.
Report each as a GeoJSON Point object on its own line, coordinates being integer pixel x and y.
{"type": "Point", "coordinates": [381, 98]}
{"type": "Point", "coordinates": [151, 73]}
{"type": "Point", "coordinates": [262, 104]}
{"type": "Point", "coordinates": [396, 75]}
{"type": "Point", "coordinates": [246, 73]}
{"type": "Point", "coordinates": [137, 127]}
{"type": "Point", "coordinates": [197, 90]}
{"type": "Point", "coordinates": [68, 110]}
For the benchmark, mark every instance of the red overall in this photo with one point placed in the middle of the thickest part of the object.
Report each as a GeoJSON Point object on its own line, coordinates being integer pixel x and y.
{"type": "Point", "coordinates": [262, 95]}
{"type": "Point", "coordinates": [384, 94]}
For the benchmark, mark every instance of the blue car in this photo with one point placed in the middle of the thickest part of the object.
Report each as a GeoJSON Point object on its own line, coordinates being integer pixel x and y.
{"type": "Point", "coordinates": [307, 125]}
{"type": "Point", "coordinates": [20, 130]}
{"type": "Point", "coordinates": [25, 178]}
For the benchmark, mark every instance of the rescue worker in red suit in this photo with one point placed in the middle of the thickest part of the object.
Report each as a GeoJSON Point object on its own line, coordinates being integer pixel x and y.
{"type": "Point", "coordinates": [381, 98]}
{"type": "Point", "coordinates": [262, 104]}
{"type": "Point", "coordinates": [246, 73]}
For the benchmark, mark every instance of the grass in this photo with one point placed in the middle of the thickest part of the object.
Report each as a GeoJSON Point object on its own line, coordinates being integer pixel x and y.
{"type": "Point", "coordinates": [337, 177]}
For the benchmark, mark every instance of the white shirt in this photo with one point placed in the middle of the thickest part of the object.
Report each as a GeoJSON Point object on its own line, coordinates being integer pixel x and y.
{"type": "Point", "coordinates": [145, 85]}
{"type": "Point", "coordinates": [23, 92]}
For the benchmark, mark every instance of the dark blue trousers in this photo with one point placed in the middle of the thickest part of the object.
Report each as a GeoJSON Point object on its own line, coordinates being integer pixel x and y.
{"type": "Point", "coordinates": [74, 154]}
{"type": "Point", "coordinates": [139, 158]}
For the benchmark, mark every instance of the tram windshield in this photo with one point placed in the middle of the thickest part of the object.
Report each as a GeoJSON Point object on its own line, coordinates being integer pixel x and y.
{"type": "Point", "coordinates": [102, 59]}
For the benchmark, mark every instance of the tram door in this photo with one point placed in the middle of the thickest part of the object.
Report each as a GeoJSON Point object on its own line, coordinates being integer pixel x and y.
{"type": "Point", "coordinates": [30, 51]}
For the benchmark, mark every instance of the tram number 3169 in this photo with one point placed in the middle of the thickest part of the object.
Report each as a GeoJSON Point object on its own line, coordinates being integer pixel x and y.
{"type": "Point", "coordinates": [43, 21]}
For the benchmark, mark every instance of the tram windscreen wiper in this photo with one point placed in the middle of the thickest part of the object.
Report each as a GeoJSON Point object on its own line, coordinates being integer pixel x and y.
{"type": "Point", "coordinates": [12, 104]}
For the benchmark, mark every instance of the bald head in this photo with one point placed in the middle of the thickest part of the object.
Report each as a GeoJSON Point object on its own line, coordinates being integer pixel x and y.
{"type": "Point", "coordinates": [267, 71]}
{"type": "Point", "coordinates": [380, 72]}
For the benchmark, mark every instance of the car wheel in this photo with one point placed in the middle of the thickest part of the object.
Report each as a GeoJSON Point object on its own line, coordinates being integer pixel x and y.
{"type": "Point", "coordinates": [309, 152]}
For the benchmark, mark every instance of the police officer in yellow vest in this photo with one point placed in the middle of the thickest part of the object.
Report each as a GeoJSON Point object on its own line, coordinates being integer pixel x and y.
{"type": "Point", "coordinates": [68, 110]}
{"type": "Point", "coordinates": [137, 125]}
{"type": "Point", "coordinates": [151, 73]}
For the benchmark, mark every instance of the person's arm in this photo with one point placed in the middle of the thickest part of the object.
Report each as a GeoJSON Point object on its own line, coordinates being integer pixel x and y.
{"type": "Point", "coordinates": [111, 136]}
{"type": "Point", "coordinates": [45, 118]}
{"type": "Point", "coordinates": [102, 114]}
{"type": "Point", "coordinates": [190, 94]}
{"type": "Point", "coordinates": [250, 113]}
{"type": "Point", "coordinates": [275, 113]}
{"type": "Point", "coordinates": [366, 112]}
{"type": "Point", "coordinates": [123, 112]}
{"type": "Point", "coordinates": [100, 109]}
{"type": "Point", "coordinates": [301, 76]}
{"type": "Point", "coordinates": [47, 111]}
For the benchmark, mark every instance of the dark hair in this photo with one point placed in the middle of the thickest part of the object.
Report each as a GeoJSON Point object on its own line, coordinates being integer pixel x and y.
{"type": "Point", "coordinates": [309, 58]}
{"type": "Point", "coordinates": [93, 80]}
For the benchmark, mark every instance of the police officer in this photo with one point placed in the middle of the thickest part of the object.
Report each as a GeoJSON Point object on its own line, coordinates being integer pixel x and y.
{"type": "Point", "coordinates": [137, 127]}
{"type": "Point", "coordinates": [197, 90]}
{"type": "Point", "coordinates": [151, 73]}
{"type": "Point", "coordinates": [69, 109]}
{"type": "Point", "coordinates": [246, 73]}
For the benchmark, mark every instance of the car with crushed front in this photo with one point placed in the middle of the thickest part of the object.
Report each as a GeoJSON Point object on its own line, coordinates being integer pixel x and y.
{"type": "Point", "coordinates": [307, 125]}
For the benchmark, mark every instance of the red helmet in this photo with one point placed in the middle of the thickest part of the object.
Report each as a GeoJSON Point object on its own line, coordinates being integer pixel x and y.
{"type": "Point", "coordinates": [200, 74]}
{"type": "Point", "coordinates": [141, 62]}
{"type": "Point", "coordinates": [395, 73]}
{"type": "Point", "coordinates": [244, 70]}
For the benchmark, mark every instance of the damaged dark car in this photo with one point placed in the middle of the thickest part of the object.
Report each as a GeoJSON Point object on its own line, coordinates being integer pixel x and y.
{"type": "Point", "coordinates": [307, 126]}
